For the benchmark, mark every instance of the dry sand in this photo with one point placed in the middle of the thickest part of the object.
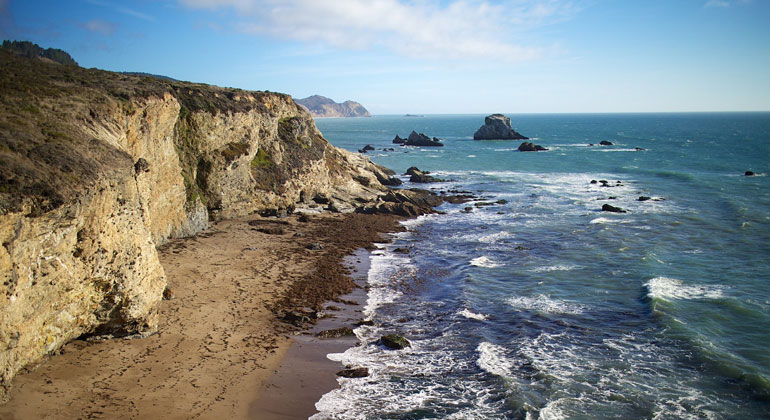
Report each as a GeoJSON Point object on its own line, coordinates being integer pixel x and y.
{"type": "Point", "coordinates": [219, 343]}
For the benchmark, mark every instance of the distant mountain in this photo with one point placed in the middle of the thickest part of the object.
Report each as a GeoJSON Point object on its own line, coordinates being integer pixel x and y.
{"type": "Point", "coordinates": [31, 50]}
{"type": "Point", "coordinates": [142, 74]}
{"type": "Point", "coordinates": [320, 106]}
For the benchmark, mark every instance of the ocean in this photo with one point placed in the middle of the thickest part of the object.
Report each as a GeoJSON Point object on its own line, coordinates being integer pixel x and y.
{"type": "Point", "coordinates": [540, 305]}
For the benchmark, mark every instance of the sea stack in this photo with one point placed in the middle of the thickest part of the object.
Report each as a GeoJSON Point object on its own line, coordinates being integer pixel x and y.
{"type": "Point", "coordinates": [497, 127]}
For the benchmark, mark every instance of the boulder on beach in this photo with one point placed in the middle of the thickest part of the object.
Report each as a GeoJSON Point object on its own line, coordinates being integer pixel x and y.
{"type": "Point", "coordinates": [529, 147]}
{"type": "Point", "coordinates": [497, 127]}
{"type": "Point", "coordinates": [360, 372]}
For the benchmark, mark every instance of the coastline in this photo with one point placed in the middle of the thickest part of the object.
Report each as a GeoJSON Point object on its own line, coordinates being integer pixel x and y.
{"type": "Point", "coordinates": [220, 339]}
{"type": "Point", "coordinates": [305, 373]}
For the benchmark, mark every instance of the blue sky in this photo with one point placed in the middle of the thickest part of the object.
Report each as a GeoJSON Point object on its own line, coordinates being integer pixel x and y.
{"type": "Point", "coordinates": [430, 56]}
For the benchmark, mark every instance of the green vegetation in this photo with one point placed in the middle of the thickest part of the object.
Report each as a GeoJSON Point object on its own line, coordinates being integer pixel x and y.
{"type": "Point", "coordinates": [30, 50]}
{"type": "Point", "coordinates": [262, 160]}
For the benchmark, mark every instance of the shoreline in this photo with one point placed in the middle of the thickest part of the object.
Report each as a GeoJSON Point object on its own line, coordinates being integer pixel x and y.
{"type": "Point", "coordinates": [220, 338]}
{"type": "Point", "coordinates": [305, 373]}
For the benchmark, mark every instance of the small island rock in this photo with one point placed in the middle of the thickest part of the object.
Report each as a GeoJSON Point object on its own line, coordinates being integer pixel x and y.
{"type": "Point", "coordinates": [530, 147]}
{"type": "Point", "coordinates": [497, 127]}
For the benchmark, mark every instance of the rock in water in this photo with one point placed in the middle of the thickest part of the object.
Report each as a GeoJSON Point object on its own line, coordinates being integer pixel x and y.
{"type": "Point", "coordinates": [394, 342]}
{"type": "Point", "coordinates": [361, 372]}
{"type": "Point", "coordinates": [605, 143]}
{"type": "Point", "coordinates": [613, 209]}
{"type": "Point", "coordinates": [530, 147]}
{"type": "Point", "coordinates": [749, 173]}
{"type": "Point", "coordinates": [497, 127]}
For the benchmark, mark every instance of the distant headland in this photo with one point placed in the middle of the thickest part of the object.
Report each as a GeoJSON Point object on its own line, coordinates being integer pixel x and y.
{"type": "Point", "coordinates": [321, 106]}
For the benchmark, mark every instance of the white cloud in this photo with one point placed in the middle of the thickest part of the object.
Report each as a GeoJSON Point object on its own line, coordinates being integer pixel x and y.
{"type": "Point", "coordinates": [99, 26]}
{"type": "Point", "coordinates": [462, 29]}
{"type": "Point", "coordinates": [725, 3]}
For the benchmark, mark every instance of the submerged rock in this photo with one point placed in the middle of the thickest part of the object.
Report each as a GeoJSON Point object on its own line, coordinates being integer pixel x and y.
{"type": "Point", "coordinates": [497, 127]}
{"type": "Point", "coordinates": [394, 342]}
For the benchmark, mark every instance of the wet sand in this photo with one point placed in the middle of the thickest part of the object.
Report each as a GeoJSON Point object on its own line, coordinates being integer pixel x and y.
{"type": "Point", "coordinates": [220, 342]}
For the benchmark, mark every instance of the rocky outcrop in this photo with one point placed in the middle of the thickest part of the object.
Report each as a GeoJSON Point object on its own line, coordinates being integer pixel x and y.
{"type": "Point", "coordinates": [97, 169]}
{"type": "Point", "coordinates": [530, 147]}
{"type": "Point", "coordinates": [497, 127]}
{"type": "Point", "coordinates": [418, 176]}
{"type": "Point", "coordinates": [321, 107]}
{"type": "Point", "coordinates": [418, 139]}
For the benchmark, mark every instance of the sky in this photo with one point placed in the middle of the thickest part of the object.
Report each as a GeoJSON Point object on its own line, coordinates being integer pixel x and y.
{"type": "Point", "coordinates": [430, 56]}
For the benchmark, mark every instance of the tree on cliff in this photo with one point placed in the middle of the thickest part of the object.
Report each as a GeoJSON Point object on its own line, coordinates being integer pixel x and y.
{"type": "Point", "coordinates": [32, 50]}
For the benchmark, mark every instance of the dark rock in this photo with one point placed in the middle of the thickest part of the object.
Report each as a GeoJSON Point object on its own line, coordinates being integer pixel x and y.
{"type": "Point", "coordinates": [398, 140]}
{"type": "Point", "coordinates": [336, 333]}
{"type": "Point", "coordinates": [271, 230]}
{"type": "Point", "coordinates": [411, 202]}
{"type": "Point", "coordinates": [315, 246]}
{"type": "Point", "coordinates": [644, 198]}
{"type": "Point", "coordinates": [141, 165]}
{"type": "Point", "coordinates": [605, 143]}
{"type": "Point", "coordinates": [394, 342]}
{"type": "Point", "coordinates": [529, 147]}
{"type": "Point", "coordinates": [467, 210]}
{"type": "Point", "coordinates": [424, 178]}
{"type": "Point", "coordinates": [497, 127]}
{"type": "Point", "coordinates": [168, 293]}
{"type": "Point", "coordinates": [749, 173]}
{"type": "Point", "coordinates": [321, 198]}
{"type": "Point", "coordinates": [415, 170]}
{"type": "Point", "coordinates": [420, 139]}
{"type": "Point", "coordinates": [593, 181]}
{"type": "Point", "coordinates": [361, 372]}
{"type": "Point", "coordinates": [368, 147]}
{"type": "Point", "coordinates": [280, 213]}
{"type": "Point", "coordinates": [613, 209]}
{"type": "Point", "coordinates": [401, 250]}
{"type": "Point", "coordinates": [459, 199]}
{"type": "Point", "coordinates": [638, 149]}
{"type": "Point", "coordinates": [304, 218]}
{"type": "Point", "coordinates": [484, 204]}
{"type": "Point", "coordinates": [501, 202]}
{"type": "Point", "coordinates": [522, 248]}
{"type": "Point", "coordinates": [368, 323]}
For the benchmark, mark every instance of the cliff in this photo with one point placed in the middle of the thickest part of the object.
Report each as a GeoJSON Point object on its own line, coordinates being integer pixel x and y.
{"type": "Point", "coordinates": [320, 106]}
{"type": "Point", "coordinates": [97, 169]}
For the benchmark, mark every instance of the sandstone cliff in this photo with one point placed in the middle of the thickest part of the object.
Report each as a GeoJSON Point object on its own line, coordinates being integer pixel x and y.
{"type": "Point", "coordinates": [99, 168]}
{"type": "Point", "coordinates": [321, 106]}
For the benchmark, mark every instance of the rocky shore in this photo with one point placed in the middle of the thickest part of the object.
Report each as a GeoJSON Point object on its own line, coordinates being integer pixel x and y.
{"type": "Point", "coordinates": [222, 336]}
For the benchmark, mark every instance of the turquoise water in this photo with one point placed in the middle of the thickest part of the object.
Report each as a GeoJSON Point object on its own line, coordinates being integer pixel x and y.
{"type": "Point", "coordinates": [547, 307]}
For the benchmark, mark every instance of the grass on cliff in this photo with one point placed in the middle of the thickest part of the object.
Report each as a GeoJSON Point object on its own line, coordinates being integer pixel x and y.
{"type": "Point", "coordinates": [47, 157]}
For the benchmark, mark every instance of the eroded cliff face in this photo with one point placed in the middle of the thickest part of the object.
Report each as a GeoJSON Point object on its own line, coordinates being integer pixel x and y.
{"type": "Point", "coordinates": [98, 169]}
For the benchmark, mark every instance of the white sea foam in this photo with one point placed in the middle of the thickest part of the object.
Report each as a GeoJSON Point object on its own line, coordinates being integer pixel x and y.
{"type": "Point", "coordinates": [604, 220]}
{"type": "Point", "coordinates": [485, 262]}
{"type": "Point", "coordinates": [669, 288]}
{"type": "Point", "coordinates": [492, 359]}
{"type": "Point", "coordinates": [471, 156]}
{"type": "Point", "coordinates": [495, 237]}
{"type": "Point", "coordinates": [549, 268]}
{"type": "Point", "coordinates": [543, 303]}
{"type": "Point", "coordinates": [472, 315]}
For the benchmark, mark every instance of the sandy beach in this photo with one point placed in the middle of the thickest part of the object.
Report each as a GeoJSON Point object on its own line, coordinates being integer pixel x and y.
{"type": "Point", "coordinates": [220, 342]}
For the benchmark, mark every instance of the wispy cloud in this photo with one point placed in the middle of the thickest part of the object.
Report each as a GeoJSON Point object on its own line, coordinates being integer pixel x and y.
{"type": "Point", "coordinates": [99, 26]}
{"type": "Point", "coordinates": [123, 10]}
{"type": "Point", "coordinates": [460, 29]}
{"type": "Point", "coordinates": [724, 3]}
